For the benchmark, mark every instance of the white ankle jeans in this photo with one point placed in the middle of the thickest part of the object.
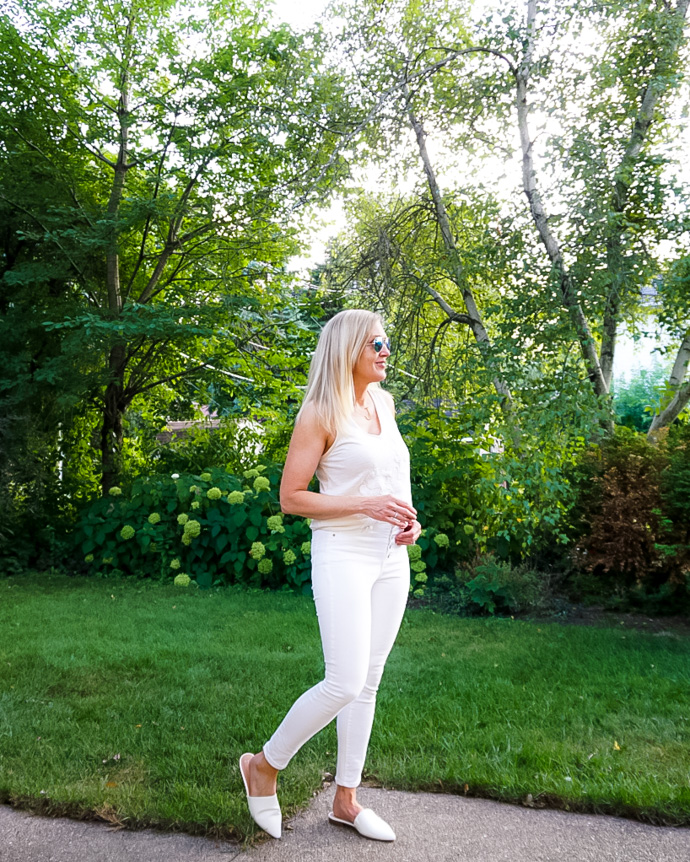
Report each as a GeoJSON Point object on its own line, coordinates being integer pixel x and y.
{"type": "Point", "coordinates": [360, 581]}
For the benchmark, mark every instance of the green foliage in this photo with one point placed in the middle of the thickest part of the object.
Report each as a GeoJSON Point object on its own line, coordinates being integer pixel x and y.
{"type": "Point", "coordinates": [150, 193]}
{"type": "Point", "coordinates": [636, 400]}
{"type": "Point", "coordinates": [225, 526]}
{"type": "Point", "coordinates": [34, 510]}
{"type": "Point", "coordinates": [216, 527]}
{"type": "Point", "coordinates": [538, 278]}
{"type": "Point", "coordinates": [493, 586]}
{"type": "Point", "coordinates": [235, 443]}
{"type": "Point", "coordinates": [483, 497]}
{"type": "Point", "coordinates": [675, 480]}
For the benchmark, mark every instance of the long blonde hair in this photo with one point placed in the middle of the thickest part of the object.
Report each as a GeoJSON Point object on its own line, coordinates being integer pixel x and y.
{"type": "Point", "coordinates": [330, 385]}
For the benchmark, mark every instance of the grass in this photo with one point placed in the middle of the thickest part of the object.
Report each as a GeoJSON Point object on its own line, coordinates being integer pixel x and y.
{"type": "Point", "coordinates": [133, 701]}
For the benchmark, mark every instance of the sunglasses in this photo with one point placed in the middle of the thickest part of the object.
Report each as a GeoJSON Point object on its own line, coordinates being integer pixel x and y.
{"type": "Point", "coordinates": [378, 343]}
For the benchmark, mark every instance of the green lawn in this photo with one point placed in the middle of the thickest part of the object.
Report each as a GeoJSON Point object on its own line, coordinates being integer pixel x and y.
{"type": "Point", "coordinates": [135, 700]}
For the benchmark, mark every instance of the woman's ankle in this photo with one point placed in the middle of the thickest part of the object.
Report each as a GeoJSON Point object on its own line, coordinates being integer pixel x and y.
{"type": "Point", "coordinates": [262, 765]}
{"type": "Point", "coordinates": [345, 803]}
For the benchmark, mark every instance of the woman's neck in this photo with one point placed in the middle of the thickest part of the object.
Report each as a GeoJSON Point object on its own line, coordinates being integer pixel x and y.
{"type": "Point", "coordinates": [361, 391]}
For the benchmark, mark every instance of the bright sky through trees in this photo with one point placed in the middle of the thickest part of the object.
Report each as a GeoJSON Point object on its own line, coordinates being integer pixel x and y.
{"type": "Point", "coordinates": [301, 14]}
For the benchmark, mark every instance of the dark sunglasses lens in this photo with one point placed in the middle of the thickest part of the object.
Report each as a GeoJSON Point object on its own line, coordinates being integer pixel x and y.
{"type": "Point", "coordinates": [379, 342]}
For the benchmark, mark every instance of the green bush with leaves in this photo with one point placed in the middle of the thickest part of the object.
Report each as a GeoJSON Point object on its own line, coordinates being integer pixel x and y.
{"type": "Point", "coordinates": [489, 586]}
{"type": "Point", "coordinates": [215, 527]}
{"type": "Point", "coordinates": [675, 480]}
{"type": "Point", "coordinates": [494, 586]}
{"type": "Point", "coordinates": [485, 498]}
{"type": "Point", "coordinates": [225, 526]}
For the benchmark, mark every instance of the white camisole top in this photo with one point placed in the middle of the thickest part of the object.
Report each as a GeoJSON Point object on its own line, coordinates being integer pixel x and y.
{"type": "Point", "coordinates": [360, 464]}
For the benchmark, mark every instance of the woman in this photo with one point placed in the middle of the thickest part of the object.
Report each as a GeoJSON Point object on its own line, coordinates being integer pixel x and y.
{"type": "Point", "coordinates": [362, 521]}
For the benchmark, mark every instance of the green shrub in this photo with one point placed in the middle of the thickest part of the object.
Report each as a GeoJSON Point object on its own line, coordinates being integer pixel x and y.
{"type": "Point", "coordinates": [35, 511]}
{"type": "Point", "coordinates": [494, 586]}
{"type": "Point", "coordinates": [489, 586]}
{"type": "Point", "coordinates": [208, 524]}
{"type": "Point", "coordinates": [472, 502]}
{"type": "Point", "coordinates": [234, 443]}
{"type": "Point", "coordinates": [675, 480]}
{"type": "Point", "coordinates": [514, 504]}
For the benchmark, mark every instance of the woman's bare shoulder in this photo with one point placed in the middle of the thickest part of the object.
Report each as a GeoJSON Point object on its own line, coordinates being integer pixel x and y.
{"type": "Point", "coordinates": [310, 427]}
{"type": "Point", "coordinates": [310, 419]}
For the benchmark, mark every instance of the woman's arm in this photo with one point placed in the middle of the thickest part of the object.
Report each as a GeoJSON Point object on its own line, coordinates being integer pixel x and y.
{"type": "Point", "coordinates": [410, 534]}
{"type": "Point", "coordinates": [309, 442]}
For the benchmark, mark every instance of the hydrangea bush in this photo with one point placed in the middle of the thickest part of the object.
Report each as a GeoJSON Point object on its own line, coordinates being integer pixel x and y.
{"type": "Point", "coordinates": [218, 527]}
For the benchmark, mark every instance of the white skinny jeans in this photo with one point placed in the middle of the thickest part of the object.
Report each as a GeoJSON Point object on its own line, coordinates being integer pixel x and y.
{"type": "Point", "coordinates": [360, 581]}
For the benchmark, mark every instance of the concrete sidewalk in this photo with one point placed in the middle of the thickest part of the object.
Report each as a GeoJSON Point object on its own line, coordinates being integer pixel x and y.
{"type": "Point", "coordinates": [431, 827]}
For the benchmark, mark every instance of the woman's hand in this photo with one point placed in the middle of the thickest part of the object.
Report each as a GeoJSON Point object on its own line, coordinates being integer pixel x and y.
{"type": "Point", "coordinates": [390, 510]}
{"type": "Point", "coordinates": [409, 535]}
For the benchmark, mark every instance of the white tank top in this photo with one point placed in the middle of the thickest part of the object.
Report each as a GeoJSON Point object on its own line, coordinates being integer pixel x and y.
{"type": "Point", "coordinates": [360, 464]}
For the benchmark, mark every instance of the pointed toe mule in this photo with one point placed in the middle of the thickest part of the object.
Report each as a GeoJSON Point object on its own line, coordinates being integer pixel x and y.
{"type": "Point", "coordinates": [265, 810]}
{"type": "Point", "coordinates": [368, 824]}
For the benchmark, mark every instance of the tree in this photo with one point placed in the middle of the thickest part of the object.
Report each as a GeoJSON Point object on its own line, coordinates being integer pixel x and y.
{"type": "Point", "coordinates": [600, 80]}
{"type": "Point", "coordinates": [657, 32]}
{"type": "Point", "coordinates": [183, 141]}
{"type": "Point", "coordinates": [394, 255]}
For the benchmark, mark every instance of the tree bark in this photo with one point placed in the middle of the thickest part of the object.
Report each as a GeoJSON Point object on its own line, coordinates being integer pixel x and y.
{"type": "Point", "coordinates": [653, 92]}
{"type": "Point", "coordinates": [114, 407]}
{"type": "Point", "coordinates": [455, 268]}
{"type": "Point", "coordinates": [549, 240]}
{"type": "Point", "coordinates": [682, 394]}
{"type": "Point", "coordinates": [114, 401]}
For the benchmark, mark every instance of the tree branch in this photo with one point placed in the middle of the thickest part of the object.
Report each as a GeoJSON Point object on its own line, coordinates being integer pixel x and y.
{"type": "Point", "coordinates": [681, 397]}
{"type": "Point", "coordinates": [620, 193]}
{"type": "Point", "coordinates": [168, 379]}
{"type": "Point", "coordinates": [539, 217]}
{"type": "Point", "coordinates": [399, 86]}
{"type": "Point", "coordinates": [455, 268]}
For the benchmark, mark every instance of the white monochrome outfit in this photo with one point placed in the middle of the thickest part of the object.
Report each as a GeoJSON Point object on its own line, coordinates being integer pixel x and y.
{"type": "Point", "coordinates": [360, 580]}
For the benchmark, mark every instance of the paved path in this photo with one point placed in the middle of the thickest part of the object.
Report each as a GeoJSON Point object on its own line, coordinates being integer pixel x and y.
{"type": "Point", "coordinates": [430, 827]}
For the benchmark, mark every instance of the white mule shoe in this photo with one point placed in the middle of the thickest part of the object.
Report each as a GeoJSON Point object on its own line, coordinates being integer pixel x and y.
{"type": "Point", "coordinates": [265, 810]}
{"type": "Point", "coordinates": [368, 824]}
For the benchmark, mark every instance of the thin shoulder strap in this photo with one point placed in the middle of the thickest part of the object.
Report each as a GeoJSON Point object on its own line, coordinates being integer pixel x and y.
{"type": "Point", "coordinates": [381, 405]}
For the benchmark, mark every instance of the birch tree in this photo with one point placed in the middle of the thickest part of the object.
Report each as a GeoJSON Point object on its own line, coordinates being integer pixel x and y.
{"type": "Point", "coordinates": [580, 95]}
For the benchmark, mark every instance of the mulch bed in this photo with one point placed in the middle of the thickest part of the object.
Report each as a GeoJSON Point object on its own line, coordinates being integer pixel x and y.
{"type": "Point", "coordinates": [584, 615]}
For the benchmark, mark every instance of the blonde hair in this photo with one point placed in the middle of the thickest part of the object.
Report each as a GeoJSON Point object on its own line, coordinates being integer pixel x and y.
{"type": "Point", "coordinates": [330, 385]}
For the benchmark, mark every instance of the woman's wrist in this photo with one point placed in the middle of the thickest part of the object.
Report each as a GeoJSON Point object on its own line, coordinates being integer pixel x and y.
{"type": "Point", "coordinates": [310, 504]}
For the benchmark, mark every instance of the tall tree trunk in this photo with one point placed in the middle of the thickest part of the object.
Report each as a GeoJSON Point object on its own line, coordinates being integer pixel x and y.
{"type": "Point", "coordinates": [111, 427]}
{"type": "Point", "coordinates": [455, 268]}
{"type": "Point", "coordinates": [682, 392]}
{"type": "Point", "coordinates": [658, 84]}
{"type": "Point", "coordinates": [567, 290]}
{"type": "Point", "coordinates": [114, 402]}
